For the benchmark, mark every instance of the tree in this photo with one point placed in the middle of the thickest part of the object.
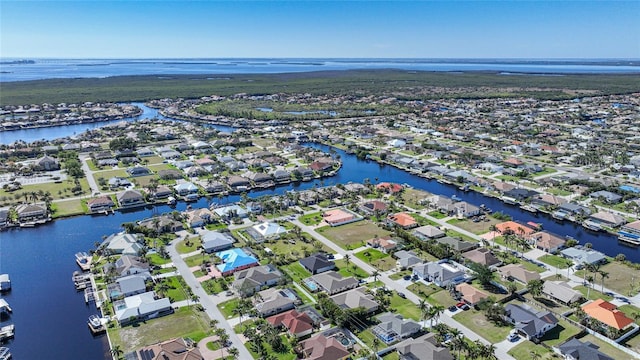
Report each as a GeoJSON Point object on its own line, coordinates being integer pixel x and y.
{"type": "Point", "coordinates": [534, 355]}
{"type": "Point", "coordinates": [590, 281]}
{"type": "Point", "coordinates": [424, 310]}
{"type": "Point", "coordinates": [375, 275]}
{"type": "Point", "coordinates": [347, 258]}
{"type": "Point", "coordinates": [117, 351]}
{"type": "Point", "coordinates": [535, 287]}
{"type": "Point", "coordinates": [375, 343]}
{"type": "Point", "coordinates": [483, 273]}
{"type": "Point", "coordinates": [435, 312]}
{"type": "Point", "coordinates": [234, 352]}
{"type": "Point", "coordinates": [512, 287]}
{"type": "Point", "coordinates": [603, 275]}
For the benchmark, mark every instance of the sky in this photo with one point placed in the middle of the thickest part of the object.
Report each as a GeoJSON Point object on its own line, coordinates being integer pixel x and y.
{"type": "Point", "coordinates": [320, 29]}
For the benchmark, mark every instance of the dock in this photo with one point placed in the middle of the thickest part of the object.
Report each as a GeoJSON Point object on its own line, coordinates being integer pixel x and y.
{"type": "Point", "coordinates": [4, 353]}
{"type": "Point", "coordinates": [5, 282]}
{"type": "Point", "coordinates": [7, 332]}
{"type": "Point", "coordinates": [4, 307]}
{"type": "Point", "coordinates": [84, 260]}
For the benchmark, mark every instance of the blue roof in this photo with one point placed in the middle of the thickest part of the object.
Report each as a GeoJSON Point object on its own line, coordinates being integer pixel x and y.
{"type": "Point", "coordinates": [233, 259]}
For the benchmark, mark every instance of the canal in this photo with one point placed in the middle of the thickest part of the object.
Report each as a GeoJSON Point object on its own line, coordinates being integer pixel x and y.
{"type": "Point", "coordinates": [50, 316]}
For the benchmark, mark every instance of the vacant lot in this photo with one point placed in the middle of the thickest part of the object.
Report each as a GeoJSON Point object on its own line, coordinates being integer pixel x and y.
{"type": "Point", "coordinates": [622, 278]}
{"type": "Point", "coordinates": [477, 228]}
{"type": "Point", "coordinates": [525, 349]}
{"type": "Point", "coordinates": [352, 235]}
{"type": "Point", "coordinates": [412, 198]}
{"type": "Point", "coordinates": [311, 219]}
{"type": "Point", "coordinates": [185, 322]}
{"type": "Point", "coordinates": [476, 321]}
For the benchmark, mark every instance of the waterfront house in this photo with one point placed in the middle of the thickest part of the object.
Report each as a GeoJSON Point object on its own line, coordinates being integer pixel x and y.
{"type": "Point", "coordinates": [332, 282]}
{"type": "Point", "coordinates": [174, 349]}
{"type": "Point", "coordinates": [513, 227]}
{"type": "Point", "coordinates": [265, 231]}
{"type": "Point", "coordinates": [546, 241]}
{"type": "Point", "coordinates": [470, 294]}
{"type": "Point", "coordinates": [238, 183]}
{"type": "Point", "coordinates": [631, 231]}
{"type": "Point", "coordinates": [31, 212]}
{"type": "Point", "coordinates": [235, 260]}
{"type": "Point", "coordinates": [185, 188]}
{"type": "Point", "coordinates": [426, 347]}
{"type": "Point", "coordinates": [129, 265]}
{"type": "Point", "coordinates": [281, 176]}
{"type": "Point", "coordinates": [199, 217]}
{"type": "Point", "coordinates": [213, 241]}
{"type": "Point", "coordinates": [389, 188]}
{"type": "Point", "coordinates": [465, 210]}
{"type": "Point", "coordinates": [356, 298]}
{"type": "Point", "coordinates": [528, 321]}
{"type": "Point", "coordinates": [607, 313]}
{"type": "Point", "coordinates": [393, 327]}
{"type": "Point", "coordinates": [406, 259]}
{"type": "Point", "coordinates": [127, 286]}
{"type": "Point", "coordinates": [317, 263]}
{"type": "Point", "coordinates": [321, 347]}
{"type": "Point", "coordinates": [165, 223]}
{"type": "Point", "coordinates": [130, 198]}
{"type": "Point", "coordinates": [123, 243]}
{"type": "Point", "coordinates": [337, 217]}
{"type": "Point", "coordinates": [608, 219]}
{"type": "Point", "coordinates": [581, 255]}
{"type": "Point", "coordinates": [440, 273]}
{"type": "Point", "coordinates": [274, 301]}
{"type": "Point", "coordinates": [482, 256]}
{"type": "Point", "coordinates": [303, 173]}
{"type": "Point", "coordinates": [298, 324]}
{"type": "Point", "coordinates": [230, 212]}
{"type": "Point", "coordinates": [47, 163]}
{"type": "Point", "coordinates": [141, 307]}
{"type": "Point", "coordinates": [428, 232]}
{"type": "Point", "coordinates": [402, 220]}
{"type": "Point", "coordinates": [248, 282]}
{"type": "Point", "coordinates": [575, 349]}
{"type": "Point", "coordinates": [518, 272]}
{"type": "Point", "coordinates": [561, 291]}
{"type": "Point", "coordinates": [100, 204]}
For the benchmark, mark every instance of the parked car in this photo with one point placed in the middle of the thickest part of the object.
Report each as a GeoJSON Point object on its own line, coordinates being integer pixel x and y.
{"type": "Point", "coordinates": [453, 308]}
{"type": "Point", "coordinates": [407, 277]}
{"type": "Point", "coordinates": [513, 337]}
{"type": "Point", "coordinates": [402, 295]}
{"type": "Point", "coordinates": [462, 305]}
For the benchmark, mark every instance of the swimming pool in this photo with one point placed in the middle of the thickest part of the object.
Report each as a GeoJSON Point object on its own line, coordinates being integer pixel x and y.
{"type": "Point", "coordinates": [311, 285]}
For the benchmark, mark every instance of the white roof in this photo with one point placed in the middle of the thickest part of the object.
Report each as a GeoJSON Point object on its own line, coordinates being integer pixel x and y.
{"type": "Point", "coordinates": [267, 229]}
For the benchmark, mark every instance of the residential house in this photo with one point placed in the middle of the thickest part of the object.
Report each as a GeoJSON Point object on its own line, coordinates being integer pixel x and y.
{"type": "Point", "coordinates": [337, 217]}
{"type": "Point", "coordinates": [238, 183]}
{"type": "Point", "coordinates": [606, 196]}
{"type": "Point", "coordinates": [428, 232]}
{"type": "Point", "coordinates": [163, 224]}
{"type": "Point", "coordinates": [530, 322]}
{"type": "Point", "coordinates": [298, 324]}
{"type": "Point", "coordinates": [199, 217]}
{"type": "Point", "coordinates": [281, 176]}
{"type": "Point", "coordinates": [162, 192]}
{"type": "Point", "coordinates": [440, 273]}
{"type": "Point", "coordinates": [170, 174]}
{"type": "Point", "coordinates": [470, 294]}
{"type": "Point", "coordinates": [374, 207]}
{"type": "Point", "coordinates": [130, 198]}
{"type": "Point", "coordinates": [274, 301]}
{"type": "Point", "coordinates": [303, 173]}
{"type": "Point", "coordinates": [185, 188]}
{"type": "Point", "coordinates": [317, 263]}
{"type": "Point", "coordinates": [630, 231]}
{"type": "Point", "coordinates": [426, 347]}
{"type": "Point", "coordinates": [100, 204]}
{"type": "Point", "coordinates": [141, 307]}
{"type": "Point", "coordinates": [441, 203]}
{"type": "Point", "coordinates": [235, 260]}
{"type": "Point", "coordinates": [402, 220]}
{"type": "Point", "coordinates": [266, 230]}
{"type": "Point", "coordinates": [406, 259]}
{"type": "Point", "coordinates": [575, 209]}
{"type": "Point", "coordinates": [465, 210]}
{"type": "Point", "coordinates": [456, 244]}
{"type": "Point", "coordinates": [248, 282]}
{"type": "Point", "coordinates": [145, 152]}
{"type": "Point", "coordinates": [546, 241]}
{"type": "Point", "coordinates": [561, 291]}
{"type": "Point", "coordinates": [514, 228]}
{"type": "Point", "coordinates": [384, 244]}
{"type": "Point", "coordinates": [321, 347]}
{"type": "Point", "coordinates": [482, 256]}
{"type": "Point", "coordinates": [390, 188]}
{"type": "Point", "coordinates": [30, 212]}
{"type": "Point", "coordinates": [138, 171]}
{"type": "Point", "coordinates": [127, 286]}
{"type": "Point", "coordinates": [394, 327]}
{"type": "Point", "coordinates": [575, 349]}
{"type": "Point", "coordinates": [581, 255]}
{"type": "Point", "coordinates": [231, 211]}
{"type": "Point", "coordinates": [332, 282]}
{"type": "Point", "coordinates": [123, 243]}
{"type": "Point", "coordinates": [118, 182]}
{"type": "Point", "coordinates": [47, 163]}
{"type": "Point", "coordinates": [129, 265]}
{"type": "Point", "coordinates": [518, 272]}
{"type": "Point", "coordinates": [174, 349]}
{"type": "Point", "coordinates": [213, 241]}
{"type": "Point", "coordinates": [549, 200]}
{"type": "Point", "coordinates": [608, 219]}
{"type": "Point", "coordinates": [607, 313]}
{"type": "Point", "coordinates": [356, 298]}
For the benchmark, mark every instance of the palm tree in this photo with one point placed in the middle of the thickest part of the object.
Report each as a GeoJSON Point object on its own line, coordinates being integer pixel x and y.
{"type": "Point", "coordinates": [590, 281]}
{"type": "Point", "coordinates": [375, 275]}
{"type": "Point", "coordinates": [375, 343]}
{"type": "Point", "coordinates": [234, 352]}
{"type": "Point", "coordinates": [424, 310]}
{"type": "Point", "coordinates": [117, 351]}
{"type": "Point", "coordinates": [347, 258]}
{"type": "Point", "coordinates": [435, 313]}
{"type": "Point", "coordinates": [489, 352]}
{"type": "Point", "coordinates": [534, 355]}
{"type": "Point", "coordinates": [603, 275]}
{"type": "Point", "coordinates": [535, 287]}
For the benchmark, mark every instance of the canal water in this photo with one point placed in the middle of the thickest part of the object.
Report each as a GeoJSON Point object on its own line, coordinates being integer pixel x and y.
{"type": "Point", "coordinates": [50, 316]}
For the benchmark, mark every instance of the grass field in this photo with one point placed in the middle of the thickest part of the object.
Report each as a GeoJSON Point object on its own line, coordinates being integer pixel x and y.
{"type": "Point", "coordinates": [296, 271]}
{"type": "Point", "coordinates": [185, 322]}
{"type": "Point", "coordinates": [441, 298]}
{"type": "Point", "coordinates": [352, 235]}
{"type": "Point", "coordinates": [351, 270]}
{"type": "Point", "coordinates": [227, 308]}
{"type": "Point", "coordinates": [370, 255]}
{"type": "Point", "coordinates": [555, 260]}
{"type": "Point", "coordinates": [559, 334]}
{"type": "Point", "coordinates": [404, 307]}
{"type": "Point", "coordinates": [57, 190]}
{"type": "Point", "coordinates": [194, 243]}
{"type": "Point", "coordinates": [477, 322]}
{"type": "Point", "coordinates": [621, 278]}
{"type": "Point", "coordinates": [68, 208]}
{"type": "Point", "coordinates": [477, 228]}
{"type": "Point", "coordinates": [411, 198]}
{"type": "Point", "coordinates": [423, 290]}
{"type": "Point", "coordinates": [526, 348]}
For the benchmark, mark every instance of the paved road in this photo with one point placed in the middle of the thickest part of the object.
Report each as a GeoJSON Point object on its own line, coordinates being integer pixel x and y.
{"type": "Point", "coordinates": [206, 300]}
{"type": "Point", "coordinates": [501, 348]}
{"type": "Point", "coordinates": [88, 173]}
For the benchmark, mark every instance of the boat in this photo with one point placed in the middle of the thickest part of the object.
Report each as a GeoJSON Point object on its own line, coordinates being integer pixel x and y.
{"type": "Point", "coordinates": [464, 188]}
{"type": "Point", "coordinates": [455, 198]}
{"type": "Point", "coordinates": [171, 200]}
{"type": "Point", "coordinates": [509, 200]}
{"type": "Point", "coordinates": [559, 215]}
{"type": "Point", "coordinates": [592, 225]}
{"type": "Point", "coordinates": [4, 353]}
{"type": "Point", "coordinates": [7, 332]}
{"type": "Point", "coordinates": [84, 260]}
{"type": "Point", "coordinates": [97, 324]}
{"type": "Point", "coordinates": [529, 208]}
{"type": "Point", "coordinates": [629, 238]}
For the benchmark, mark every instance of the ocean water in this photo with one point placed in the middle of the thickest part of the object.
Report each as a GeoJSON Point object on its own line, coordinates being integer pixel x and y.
{"type": "Point", "coordinates": [99, 68]}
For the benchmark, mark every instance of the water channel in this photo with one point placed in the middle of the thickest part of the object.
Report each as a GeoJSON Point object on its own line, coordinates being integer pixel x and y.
{"type": "Point", "coordinates": [50, 317]}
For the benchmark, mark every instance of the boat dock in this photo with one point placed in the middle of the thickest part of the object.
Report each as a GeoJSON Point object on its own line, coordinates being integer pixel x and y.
{"type": "Point", "coordinates": [5, 282]}
{"type": "Point", "coordinates": [7, 332]}
{"type": "Point", "coordinates": [84, 260]}
{"type": "Point", "coordinates": [5, 309]}
{"type": "Point", "coordinates": [4, 353]}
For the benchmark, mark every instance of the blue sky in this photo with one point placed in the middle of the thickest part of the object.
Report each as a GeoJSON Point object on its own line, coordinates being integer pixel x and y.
{"type": "Point", "coordinates": [365, 29]}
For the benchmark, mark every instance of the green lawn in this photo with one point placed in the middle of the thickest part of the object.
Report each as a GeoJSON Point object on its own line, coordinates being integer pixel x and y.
{"type": "Point", "coordinates": [370, 255]}
{"type": "Point", "coordinates": [212, 286]}
{"type": "Point", "coordinates": [156, 259]}
{"type": "Point", "coordinates": [423, 221]}
{"type": "Point", "coordinates": [593, 294]}
{"type": "Point", "coordinates": [437, 214]}
{"type": "Point", "coordinates": [422, 290]}
{"type": "Point", "coordinates": [183, 248]}
{"type": "Point", "coordinates": [620, 278]}
{"type": "Point", "coordinates": [227, 307]}
{"type": "Point", "coordinates": [296, 271]}
{"type": "Point", "coordinates": [442, 298]}
{"type": "Point", "coordinates": [555, 260]}
{"type": "Point", "coordinates": [404, 307]}
{"type": "Point", "coordinates": [311, 219]}
{"type": "Point", "coordinates": [525, 348]}
{"type": "Point", "coordinates": [176, 291]}
{"type": "Point", "coordinates": [560, 334]}
{"type": "Point", "coordinates": [195, 260]}
{"type": "Point", "coordinates": [351, 270]}
{"type": "Point", "coordinates": [400, 274]}
{"type": "Point", "coordinates": [68, 208]}
{"type": "Point", "coordinates": [185, 322]}
{"type": "Point", "coordinates": [477, 322]}
{"type": "Point", "coordinates": [352, 235]}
